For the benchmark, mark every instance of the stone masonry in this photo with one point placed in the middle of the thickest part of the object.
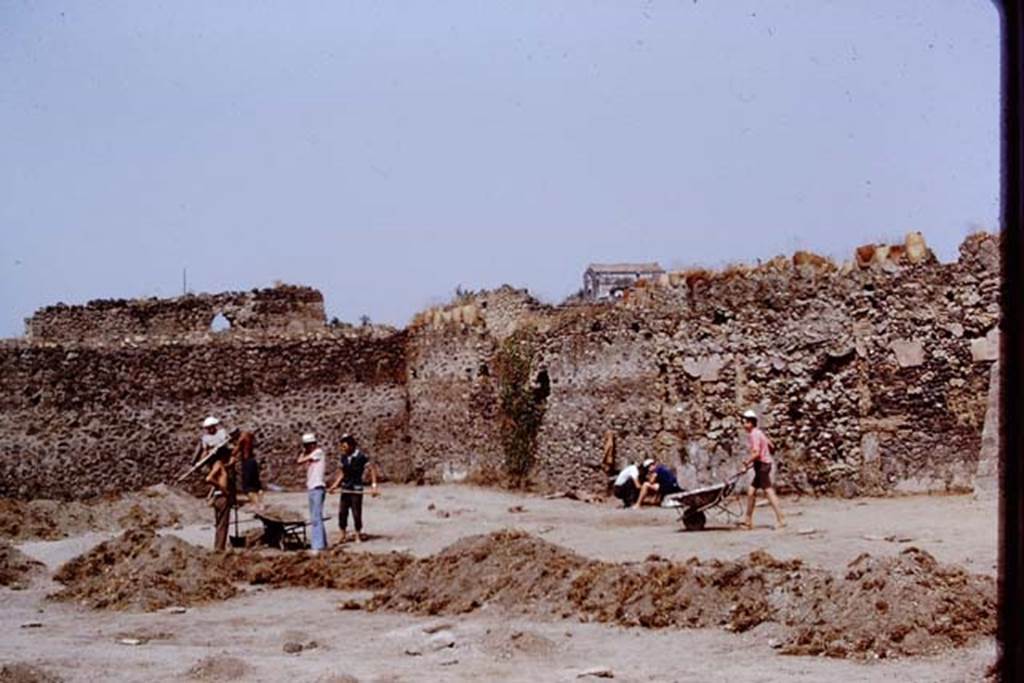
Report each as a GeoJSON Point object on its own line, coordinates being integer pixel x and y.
{"type": "Point", "coordinates": [870, 378]}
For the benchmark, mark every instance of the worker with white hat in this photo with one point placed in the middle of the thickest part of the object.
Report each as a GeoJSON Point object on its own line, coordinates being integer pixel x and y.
{"type": "Point", "coordinates": [213, 438]}
{"type": "Point", "coordinates": [312, 457]}
{"type": "Point", "coordinates": [761, 460]}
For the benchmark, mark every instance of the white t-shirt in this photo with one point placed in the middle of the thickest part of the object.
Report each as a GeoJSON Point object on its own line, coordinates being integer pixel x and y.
{"type": "Point", "coordinates": [628, 472]}
{"type": "Point", "coordinates": [215, 440]}
{"type": "Point", "coordinates": [315, 470]}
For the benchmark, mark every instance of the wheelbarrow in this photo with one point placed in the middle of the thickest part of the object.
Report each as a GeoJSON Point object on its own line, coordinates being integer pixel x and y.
{"type": "Point", "coordinates": [690, 505]}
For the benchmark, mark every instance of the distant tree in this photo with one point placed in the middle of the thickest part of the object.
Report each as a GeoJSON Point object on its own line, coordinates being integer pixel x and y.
{"type": "Point", "coordinates": [364, 320]}
{"type": "Point", "coordinates": [335, 322]}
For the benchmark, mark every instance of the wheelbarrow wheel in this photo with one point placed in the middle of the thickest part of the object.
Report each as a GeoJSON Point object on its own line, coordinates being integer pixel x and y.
{"type": "Point", "coordinates": [694, 520]}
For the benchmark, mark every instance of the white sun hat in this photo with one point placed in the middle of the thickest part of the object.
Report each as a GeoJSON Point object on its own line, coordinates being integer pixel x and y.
{"type": "Point", "coordinates": [648, 462]}
{"type": "Point", "coordinates": [309, 437]}
{"type": "Point", "coordinates": [211, 422]}
{"type": "Point", "coordinates": [750, 414]}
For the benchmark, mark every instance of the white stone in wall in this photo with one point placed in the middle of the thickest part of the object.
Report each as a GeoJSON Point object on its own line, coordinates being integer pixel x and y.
{"type": "Point", "coordinates": [869, 447]}
{"type": "Point", "coordinates": [706, 368]}
{"type": "Point", "coordinates": [986, 349]}
{"type": "Point", "coordinates": [909, 352]}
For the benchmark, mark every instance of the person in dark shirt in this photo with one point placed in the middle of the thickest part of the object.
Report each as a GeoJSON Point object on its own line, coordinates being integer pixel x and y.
{"type": "Point", "coordinates": [352, 466]}
{"type": "Point", "coordinates": [661, 482]}
{"type": "Point", "coordinates": [243, 453]}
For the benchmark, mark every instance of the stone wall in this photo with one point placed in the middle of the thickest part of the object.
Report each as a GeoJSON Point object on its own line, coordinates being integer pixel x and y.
{"type": "Point", "coordinates": [870, 378]}
{"type": "Point", "coordinates": [278, 310]}
{"type": "Point", "coordinates": [77, 421]}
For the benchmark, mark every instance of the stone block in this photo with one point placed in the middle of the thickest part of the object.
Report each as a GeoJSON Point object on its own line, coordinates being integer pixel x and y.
{"type": "Point", "coordinates": [986, 349]}
{"type": "Point", "coordinates": [909, 352]}
{"type": "Point", "coordinates": [706, 368]}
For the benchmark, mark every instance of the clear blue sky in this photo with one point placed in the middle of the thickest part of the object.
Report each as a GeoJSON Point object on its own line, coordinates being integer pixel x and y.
{"type": "Point", "coordinates": [386, 152]}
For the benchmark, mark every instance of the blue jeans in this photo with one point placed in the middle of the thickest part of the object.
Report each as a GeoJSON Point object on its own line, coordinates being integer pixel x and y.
{"type": "Point", "coordinates": [316, 517]}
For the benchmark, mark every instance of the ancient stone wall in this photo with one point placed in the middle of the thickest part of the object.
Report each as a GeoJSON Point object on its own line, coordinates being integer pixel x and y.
{"type": "Point", "coordinates": [77, 421]}
{"type": "Point", "coordinates": [277, 310]}
{"type": "Point", "coordinates": [869, 378]}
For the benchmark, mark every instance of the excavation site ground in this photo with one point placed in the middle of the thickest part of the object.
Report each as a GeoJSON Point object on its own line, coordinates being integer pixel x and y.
{"type": "Point", "coordinates": [457, 582]}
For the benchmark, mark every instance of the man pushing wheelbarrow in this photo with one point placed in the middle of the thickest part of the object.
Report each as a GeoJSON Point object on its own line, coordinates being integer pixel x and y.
{"type": "Point", "coordinates": [691, 505]}
{"type": "Point", "coordinates": [761, 460]}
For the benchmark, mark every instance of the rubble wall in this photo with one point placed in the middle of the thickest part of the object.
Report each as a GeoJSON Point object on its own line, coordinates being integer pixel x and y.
{"type": "Point", "coordinates": [283, 309]}
{"type": "Point", "coordinates": [78, 421]}
{"type": "Point", "coordinates": [869, 378]}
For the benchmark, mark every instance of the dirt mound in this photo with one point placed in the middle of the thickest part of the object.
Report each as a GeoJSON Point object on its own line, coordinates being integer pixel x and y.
{"type": "Point", "coordinates": [736, 595]}
{"type": "Point", "coordinates": [336, 569]}
{"type": "Point", "coordinates": [143, 571]}
{"type": "Point", "coordinates": [140, 570]}
{"type": "Point", "coordinates": [16, 569]}
{"type": "Point", "coordinates": [507, 568]}
{"type": "Point", "coordinates": [158, 506]}
{"type": "Point", "coordinates": [26, 673]}
{"type": "Point", "coordinates": [882, 607]}
{"type": "Point", "coordinates": [904, 605]}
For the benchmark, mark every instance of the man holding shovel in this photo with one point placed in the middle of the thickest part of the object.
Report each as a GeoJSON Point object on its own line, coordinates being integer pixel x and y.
{"type": "Point", "coordinates": [222, 478]}
{"type": "Point", "coordinates": [353, 464]}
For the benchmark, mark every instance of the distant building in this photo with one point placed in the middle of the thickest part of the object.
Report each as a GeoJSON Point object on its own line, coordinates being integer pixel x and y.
{"type": "Point", "coordinates": [610, 280]}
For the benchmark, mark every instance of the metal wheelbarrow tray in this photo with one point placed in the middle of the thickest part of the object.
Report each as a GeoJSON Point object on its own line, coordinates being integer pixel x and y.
{"type": "Point", "coordinates": [690, 505]}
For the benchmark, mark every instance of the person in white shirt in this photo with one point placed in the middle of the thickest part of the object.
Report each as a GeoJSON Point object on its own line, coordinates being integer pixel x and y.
{"type": "Point", "coordinates": [313, 458]}
{"type": "Point", "coordinates": [213, 438]}
{"type": "Point", "coordinates": [627, 485]}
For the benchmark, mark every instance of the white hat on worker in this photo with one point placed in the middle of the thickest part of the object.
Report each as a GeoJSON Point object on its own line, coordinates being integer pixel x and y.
{"type": "Point", "coordinates": [648, 462]}
{"type": "Point", "coordinates": [309, 437]}
{"type": "Point", "coordinates": [750, 414]}
{"type": "Point", "coordinates": [211, 422]}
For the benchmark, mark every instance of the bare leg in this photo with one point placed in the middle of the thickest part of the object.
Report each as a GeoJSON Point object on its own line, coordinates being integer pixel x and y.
{"type": "Point", "coordinates": [748, 521]}
{"type": "Point", "coordinates": [643, 494]}
{"type": "Point", "coordinates": [780, 521]}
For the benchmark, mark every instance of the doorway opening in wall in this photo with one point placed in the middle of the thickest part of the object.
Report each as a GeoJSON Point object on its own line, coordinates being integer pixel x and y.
{"type": "Point", "coordinates": [220, 323]}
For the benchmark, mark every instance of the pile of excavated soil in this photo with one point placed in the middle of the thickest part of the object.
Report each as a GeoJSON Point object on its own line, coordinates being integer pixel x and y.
{"type": "Point", "coordinates": [158, 506]}
{"type": "Point", "coordinates": [336, 568]}
{"type": "Point", "coordinates": [142, 571]}
{"type": "Point", "coordinates": [904, 605]}
{"type": "Point", "coordinates": [511, 569]}
{"type": "Point", "coordinates": [882, 607]}
{"type": "Point", "coordinates": [16, 569]}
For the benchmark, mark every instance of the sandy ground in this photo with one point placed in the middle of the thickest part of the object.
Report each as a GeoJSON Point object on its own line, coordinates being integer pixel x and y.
{"type": "Point", "coordinates": [248, 633]}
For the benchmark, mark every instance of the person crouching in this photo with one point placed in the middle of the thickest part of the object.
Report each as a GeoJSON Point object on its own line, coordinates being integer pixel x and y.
{"type": "Point", "coordinates": [627, 485]}
{"type": "Point", "coordinates": [661, 482]}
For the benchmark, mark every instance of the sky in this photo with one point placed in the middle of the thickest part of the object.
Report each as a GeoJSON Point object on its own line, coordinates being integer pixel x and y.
{"type": "Point", "coordinates": [388, 152]}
